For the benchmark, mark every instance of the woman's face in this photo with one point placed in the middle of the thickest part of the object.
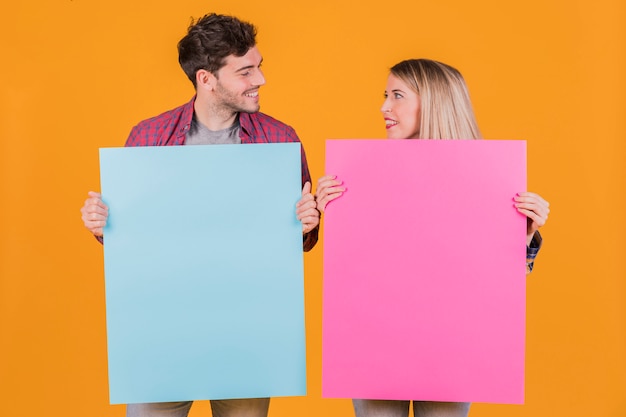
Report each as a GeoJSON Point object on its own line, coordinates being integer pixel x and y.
{"type": "Point", "coordinates": [401, 110]}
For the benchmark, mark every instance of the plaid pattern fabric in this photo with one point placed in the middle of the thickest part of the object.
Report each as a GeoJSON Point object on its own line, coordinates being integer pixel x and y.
{"type": "Point", "coordinates": [170, 128]}
{"type": "Point", "coordinates": [532, 251]}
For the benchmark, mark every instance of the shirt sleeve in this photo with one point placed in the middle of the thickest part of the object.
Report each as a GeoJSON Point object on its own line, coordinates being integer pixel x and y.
{"type": "Point", "coordinates": [532, 250]}
{"type": "Point", "coordinates": [135, 138]}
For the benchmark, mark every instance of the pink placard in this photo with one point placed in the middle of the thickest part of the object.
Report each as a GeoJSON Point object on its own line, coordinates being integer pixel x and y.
{"type": "Point", "coordinates": [424, 271]}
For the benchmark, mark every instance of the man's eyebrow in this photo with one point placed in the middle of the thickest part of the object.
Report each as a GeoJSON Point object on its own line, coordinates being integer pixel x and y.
{"type": "Point", "coordinates": [247, 67]}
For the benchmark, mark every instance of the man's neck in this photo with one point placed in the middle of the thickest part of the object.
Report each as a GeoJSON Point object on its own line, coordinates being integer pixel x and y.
{"type": "Point", "coordinates": [214, 118]}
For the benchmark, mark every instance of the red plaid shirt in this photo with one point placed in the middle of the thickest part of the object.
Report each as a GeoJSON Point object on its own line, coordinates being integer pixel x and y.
{"type": "Point", "coordinates": [170, 128]}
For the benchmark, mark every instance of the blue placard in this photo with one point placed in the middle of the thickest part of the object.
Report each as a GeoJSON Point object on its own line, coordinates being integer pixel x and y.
{"type": "Point", "coordinates": [204, 272]}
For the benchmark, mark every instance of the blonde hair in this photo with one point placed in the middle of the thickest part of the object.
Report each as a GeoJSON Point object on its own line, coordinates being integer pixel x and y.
{"type": "Point", "coordinates": [446, 109]}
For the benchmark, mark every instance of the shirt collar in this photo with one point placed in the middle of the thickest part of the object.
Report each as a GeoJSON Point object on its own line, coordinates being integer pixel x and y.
{"type": "Point", "coordinates": [245, 120]}
{"type": "Point", "coordinates": [246, 123]}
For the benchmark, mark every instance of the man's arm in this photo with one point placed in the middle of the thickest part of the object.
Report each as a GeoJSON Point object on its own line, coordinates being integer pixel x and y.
{"type": "Point", "coordinates": [307, 203]}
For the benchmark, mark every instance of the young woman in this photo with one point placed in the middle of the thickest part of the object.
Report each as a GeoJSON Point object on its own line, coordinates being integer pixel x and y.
{"type": "Point", "coordinates": [426, 99]}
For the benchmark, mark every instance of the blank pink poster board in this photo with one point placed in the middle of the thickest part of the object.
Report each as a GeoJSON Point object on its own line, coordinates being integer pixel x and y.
{"type": "Point", "coordinates": [424, 271]}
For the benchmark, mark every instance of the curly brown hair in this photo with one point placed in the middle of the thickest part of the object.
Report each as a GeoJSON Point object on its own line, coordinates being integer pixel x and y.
{"type": "Point", "coordinates": [212, 38]}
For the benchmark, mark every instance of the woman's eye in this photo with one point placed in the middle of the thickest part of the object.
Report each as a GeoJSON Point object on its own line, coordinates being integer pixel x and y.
{"type": "Point", "coordinates": [397, 95]}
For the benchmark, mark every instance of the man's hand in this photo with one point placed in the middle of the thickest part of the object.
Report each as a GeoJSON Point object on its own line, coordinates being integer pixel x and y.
{"type": "Point", "coordinates": [94, 213]}
{"type": "Point", "coordinates": [306, 210]}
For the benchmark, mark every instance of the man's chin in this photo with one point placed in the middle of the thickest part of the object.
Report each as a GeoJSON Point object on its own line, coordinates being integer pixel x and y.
{"type": "Point", "coordinates": [251, 109]}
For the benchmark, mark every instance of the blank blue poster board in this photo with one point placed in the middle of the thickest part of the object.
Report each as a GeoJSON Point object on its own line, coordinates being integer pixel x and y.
{"type": "Point", "coordinates": [204, 272]}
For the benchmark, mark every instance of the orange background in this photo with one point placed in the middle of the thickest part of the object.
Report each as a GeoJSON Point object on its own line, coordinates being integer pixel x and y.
{"type": "Point", "coordinates": [77, 75]}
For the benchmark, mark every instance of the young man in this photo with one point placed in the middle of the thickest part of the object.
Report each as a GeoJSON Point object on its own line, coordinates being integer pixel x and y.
{"type": "Point", "coordinates": [220, 57]}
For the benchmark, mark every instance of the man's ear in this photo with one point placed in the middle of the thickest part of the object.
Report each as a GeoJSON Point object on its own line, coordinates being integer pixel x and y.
{"type": "Point", "coordinates": [205, 80]}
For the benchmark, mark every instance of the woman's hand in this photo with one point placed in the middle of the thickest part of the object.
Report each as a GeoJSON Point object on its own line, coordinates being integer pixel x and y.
{"type": "Point", "coordinates": [535, 208]}
{"type": "Point", "coordinates": [328, 189]}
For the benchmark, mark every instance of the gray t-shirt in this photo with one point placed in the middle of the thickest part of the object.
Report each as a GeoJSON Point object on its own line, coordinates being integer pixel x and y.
{"type": "Point", "coordinates": [199, 134]}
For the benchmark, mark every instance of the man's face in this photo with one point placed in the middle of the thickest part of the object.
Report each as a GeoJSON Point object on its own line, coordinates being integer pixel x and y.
{"type": "Point", "coordinates": [238, 82]}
